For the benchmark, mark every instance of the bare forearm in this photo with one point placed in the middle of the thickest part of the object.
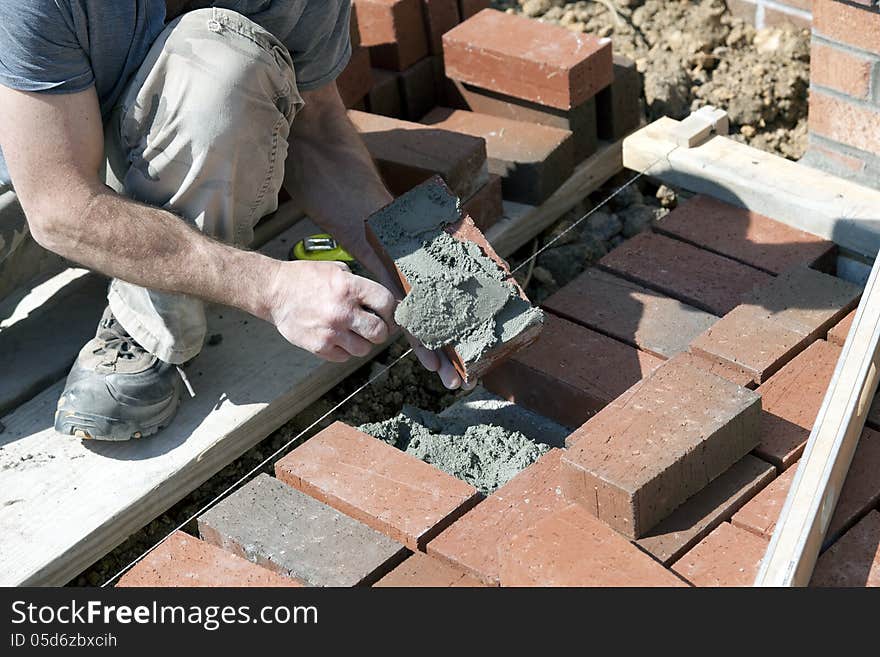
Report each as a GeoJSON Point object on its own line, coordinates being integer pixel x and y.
{"type": "Point", "coordinates": [155, 249]}
{"type": "Point", "coordinates": [331, 175]}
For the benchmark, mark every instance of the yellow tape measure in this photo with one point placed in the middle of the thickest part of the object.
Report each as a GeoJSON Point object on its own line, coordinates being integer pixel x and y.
{"type": "Point", "coordinates": [319, 247]}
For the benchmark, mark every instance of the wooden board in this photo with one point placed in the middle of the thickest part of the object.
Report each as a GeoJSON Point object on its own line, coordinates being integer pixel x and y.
{"type": "Point", "coordinates": [522, 223]}
{"type": "Point", "coordinates": [814, 201]}
{"type": "Point", "coordinates": [65, 503]}
{"type": "Point", "coordinates": [803, 522]}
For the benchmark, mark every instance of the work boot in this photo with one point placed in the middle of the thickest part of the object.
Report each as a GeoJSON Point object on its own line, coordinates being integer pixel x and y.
{"type": "Point", "coordinates": [117, 390]}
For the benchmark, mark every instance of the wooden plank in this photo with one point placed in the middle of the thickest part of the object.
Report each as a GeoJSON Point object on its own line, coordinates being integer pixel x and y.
{"type": "Point", "coordinates": [814, 201]}
{"type": "Point", "coordinates": [521, 223]}
{"type": "Point", "coordinates": [65, 503]}
{"type": "Point", "coordinates": [809, 507]}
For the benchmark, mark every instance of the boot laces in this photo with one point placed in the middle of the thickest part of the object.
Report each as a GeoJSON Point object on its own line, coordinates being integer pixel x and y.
{"type": "Point", "coordinates": [116, 344]}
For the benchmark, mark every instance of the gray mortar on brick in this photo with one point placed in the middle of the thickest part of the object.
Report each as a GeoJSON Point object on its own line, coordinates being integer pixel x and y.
{"type": "Point", "coordinates": [459, 295]}
{"type": "Point", "coordinates": [481, 439]}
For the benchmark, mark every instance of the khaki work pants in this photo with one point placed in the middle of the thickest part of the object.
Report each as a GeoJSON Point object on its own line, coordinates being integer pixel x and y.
{"type": "Point", "coordinates": [201, 131]}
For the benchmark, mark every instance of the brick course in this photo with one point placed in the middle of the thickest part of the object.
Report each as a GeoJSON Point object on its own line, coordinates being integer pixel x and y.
{"type": "Point", "coordinates": [374, 482]}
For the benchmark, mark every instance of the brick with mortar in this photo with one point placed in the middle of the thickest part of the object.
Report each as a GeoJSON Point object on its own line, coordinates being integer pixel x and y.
{"type": "Point", "coordinates": [847, 24]}
{"type": "Point", "coordinates": [277, 526]}
{"type": "Point", "coordinates": [658, 444]}
{"type": "Point", "coordinates": [746, 236]}
{"type": "Point", "coordinates": [629, 312]}
{"type": "Point", "coordinates": [539, 62]}
{"type": "Point", "coordinates": [472, 542]}
{"type": "Point", "coordinates": [716, 503]}
{"type": "Point", "coordinates": [532, 160]}
{"type": "Point", "coordinates": [854, 560]}
{"type": "Point", "coordinates": [422, 571]}
{"type": "Point", "coordinates": [791, 399]}
{"type": "Point", "coordinates": [839, 70]}
{"type": "Point", "coordinates": [848, 123]}
{"type": "Point", "coordinates": [570, 372]}
{"type": "Point", "coordinates": [407, 154]}
{"type": "Point", "coordinates": [700, 278]}
{"type": "Point", "coordinates": [573, 548]}
{"type": "Point", "coordinates": [860, 492]}
{"type": "Point", "coordinates": [371, 481]}
{"type": "Point", "coordinates": [393, 30]}
{"type": "Point", "coordinates": [183, 560]}
{"type": "Point", "coordinates": [728, 556]}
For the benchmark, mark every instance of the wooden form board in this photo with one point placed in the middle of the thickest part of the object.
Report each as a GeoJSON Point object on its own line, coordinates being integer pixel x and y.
{"type": "Point", "coordinates": [814, 201]}
{"type": "Point", "coordinates": [803, 522]}
{"type": "Point", "coordinates": [65, 503]}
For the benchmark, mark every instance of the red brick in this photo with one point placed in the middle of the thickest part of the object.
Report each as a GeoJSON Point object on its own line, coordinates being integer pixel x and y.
{"type": "Point", "coordinates": [838, 333]}
{"type": "Point", "coordinates": [854, 560]}
{"type": "Point", "coordinates": [570, 372]}
{"type": "Point", "coordinates": [658, 444]}
{"type": "Point", "coordinates": [407, 154]}
{"type": "Point", "coordinates": [384, 95]}
{"type": "Point", "coordinates": [580, 120]}
{"type": "Point", "coordinates": [840, 70]}
{"type": "Point", "coordinates": [356, 79]}
{"type": "Point", "coordinates": [186, 561]}
{"type": "Point", "coordinates": [440, 17]}
{"type": "Point", "coordinates": [629, 312]}
{"type": "Point", "coordinates": [860, 492]}
{"type": "Point", "coordinates": [847, 24]}
{"type": "Point", "coordinates": [393, 30]}
{"type": "Point", "coordinates": [746, 340]}
{"type": "Point", "coordinates": [844, 122]}
{"type": "Point", "coordinates": [619, 105]}
{"type": "Point", "coordinates": [468, 8]}
{"type": "Point", "coordinates": [805, 301]}
{"type": "Point", "coordinates": [716, 503]}
{"type": "Point", "coordinates": [354, 28]}
{"type": "Point", "coordinates": [723, 370]}
{"type": "Point", "coordinates": [473, 541]}
{"type": "Point", "coordinates": [746, 236]}
{"type": "Point", "coordinates": [422, 571]}
{"type": "Point", "coordinates": [417, 89]}
{"type": "Point", "coordinates": [486, 206]}
{"type": "Point", "coordinates": [727, 557]}
{"type": "Point", "coordinates": [374, 482]}
{"type": "Point", "coordinates": [702, 279]}
{"type": "Point", "coordinates": [791, 401]}
{"type": "Point", "coordinates": [572, 548]}
{"type": "Point", "coordinates": [540, 62]}
{"type": "Point", "coordinates": [533, 160]}
{"type": "Point", "coordinates": [851, 164]}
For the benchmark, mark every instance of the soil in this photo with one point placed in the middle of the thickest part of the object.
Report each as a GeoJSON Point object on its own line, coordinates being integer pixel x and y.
{"type": "Point", "coordinates": [691, 53]}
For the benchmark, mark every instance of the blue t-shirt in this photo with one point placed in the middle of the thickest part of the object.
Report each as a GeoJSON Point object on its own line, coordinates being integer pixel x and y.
{"type": "Point", "coordinates": [65, 46]}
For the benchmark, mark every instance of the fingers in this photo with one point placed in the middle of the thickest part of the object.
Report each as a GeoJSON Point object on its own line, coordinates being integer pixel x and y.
{"type": "Point", "coordinates": [334, 354]}
{"type": "Point", "coordinates": [353, 344]}
{"type": "Point", "coordinates": [377, 298]}
{"type": "Point", "coordinates": [369, 326]}
{"type": "Point", "coordinates": [448, 376]}
{"type": "Point", "coordinates": [428, 358]}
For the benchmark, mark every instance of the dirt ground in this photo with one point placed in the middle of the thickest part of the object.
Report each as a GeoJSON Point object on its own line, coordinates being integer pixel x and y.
{"type": "Point", "coordinates": [691, 53]}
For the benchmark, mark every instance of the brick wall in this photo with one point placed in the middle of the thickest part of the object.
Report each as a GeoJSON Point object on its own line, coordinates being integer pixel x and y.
{"type": "Point", "coordinates": [768, 13]}
{"type": "Point", "coordinates": [845, 89]}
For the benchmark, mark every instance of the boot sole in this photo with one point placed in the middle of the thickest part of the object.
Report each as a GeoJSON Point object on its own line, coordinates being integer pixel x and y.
{"type": "Point", "coordinates": [88, 426]}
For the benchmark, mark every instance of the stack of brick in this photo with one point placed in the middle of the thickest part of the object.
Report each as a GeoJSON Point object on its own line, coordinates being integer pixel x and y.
{"type": "Point", "coordinates": [845, 90]}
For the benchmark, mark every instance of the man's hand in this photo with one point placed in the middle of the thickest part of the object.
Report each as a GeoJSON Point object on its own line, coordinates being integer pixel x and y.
{"type": "Point", "coordinates": [325, 309]}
